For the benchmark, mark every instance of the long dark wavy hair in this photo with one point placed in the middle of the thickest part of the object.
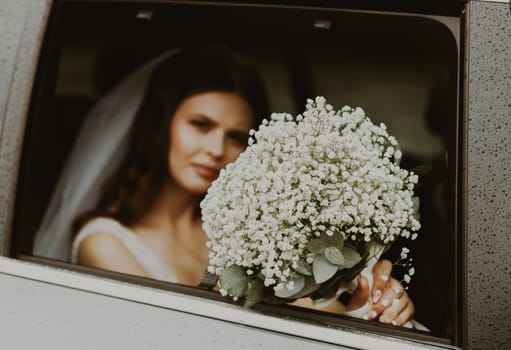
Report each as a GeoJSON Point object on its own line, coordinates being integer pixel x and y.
{"type": "Point", "coordinates": [130, 192]}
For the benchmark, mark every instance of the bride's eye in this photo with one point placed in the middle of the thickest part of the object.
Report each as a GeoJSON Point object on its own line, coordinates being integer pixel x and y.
{"type": "Point", "coordinates": [239, 138]}
{"type": "Point", "coordinates": [201, 124]}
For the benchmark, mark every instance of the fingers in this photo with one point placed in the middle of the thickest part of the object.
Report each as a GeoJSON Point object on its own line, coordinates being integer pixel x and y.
{"type": "Point", "coordinates": [390, 301]}
{"type": "Point", "coordinates": [360, 296]}
{"type": "Point", "coordinates": [405, 315]}
{"type": "Point", "coordinates": [381, 276]}
{"type": "Point", "coordinates": [393, 291]}
{"type": "Point", "coordinates": [399, 313]}
{"type": "Point", "coordinates": [399, 309]}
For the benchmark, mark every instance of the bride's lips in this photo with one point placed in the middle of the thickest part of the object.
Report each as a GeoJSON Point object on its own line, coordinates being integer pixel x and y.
{"type": "Point", "coordinates": [206, 171]}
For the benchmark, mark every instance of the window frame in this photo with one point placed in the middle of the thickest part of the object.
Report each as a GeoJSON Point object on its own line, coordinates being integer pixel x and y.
{"type": "Point", "coordinates": [55, 275]}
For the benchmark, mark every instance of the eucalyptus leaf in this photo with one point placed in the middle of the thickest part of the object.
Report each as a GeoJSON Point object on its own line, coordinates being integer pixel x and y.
{"type": "Point", "coordinates": [255, 292]}
{"type": "Point", "coordinates": [304, 268]}
{"type": "Point", "coordinates": [336, 240]}
{"type": "Point", "coordinates": [322, 269]}
{"type": "Point", "coordinates": [315, 245]}
{"type": "Point", "coordinates": [416, 205]}
{"type": "Point", "coordinates": [423, 169]}
{"type": "Point", "coordinates": [310, 287]}
{"type": "Point", "coordinates": [334, 255]}
{"type": "Point", "coordinates": [234, 280]}
{"type": "Point", "coordinates": [351, 257]}
{"type": "Point", "coordinates": [285, 292]}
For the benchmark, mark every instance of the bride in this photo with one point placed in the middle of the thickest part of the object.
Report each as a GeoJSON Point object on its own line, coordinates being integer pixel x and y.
{"type": "Point", "coordinates": [129, 195]}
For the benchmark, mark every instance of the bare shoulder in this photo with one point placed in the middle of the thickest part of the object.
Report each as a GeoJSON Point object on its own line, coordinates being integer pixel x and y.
{"type": "Point", "coordinates": [105, 251]}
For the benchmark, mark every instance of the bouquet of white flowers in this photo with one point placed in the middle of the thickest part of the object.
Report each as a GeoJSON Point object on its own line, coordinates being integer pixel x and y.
{"type": "Point", "coordinates": [306, 207]}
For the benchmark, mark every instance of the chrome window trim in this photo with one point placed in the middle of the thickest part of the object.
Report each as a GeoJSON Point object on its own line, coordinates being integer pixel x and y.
{"type": "Point", "coordinates": [503, 1]}
{"type": "Point", "coordinates": [206, 308]}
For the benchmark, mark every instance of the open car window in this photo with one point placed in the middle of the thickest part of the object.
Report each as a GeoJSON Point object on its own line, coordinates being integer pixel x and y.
{"type": "Point", "coordinates": [401, 67]}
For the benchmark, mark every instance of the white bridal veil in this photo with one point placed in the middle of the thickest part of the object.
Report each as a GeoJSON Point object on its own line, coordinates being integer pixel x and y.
{"type": "Point", "coordinates": [97, 152]}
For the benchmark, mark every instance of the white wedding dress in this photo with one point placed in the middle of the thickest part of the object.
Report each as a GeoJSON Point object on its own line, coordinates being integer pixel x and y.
{"type": "Point", "coordinates": [145, 256]}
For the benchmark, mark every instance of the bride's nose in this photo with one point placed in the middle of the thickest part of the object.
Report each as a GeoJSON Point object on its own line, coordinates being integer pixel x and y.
{"type": "Point", "coordinates": [215, 145]}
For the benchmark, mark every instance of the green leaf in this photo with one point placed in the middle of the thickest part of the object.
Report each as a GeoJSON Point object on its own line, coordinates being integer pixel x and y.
{"type": "Point", "coordinates": [334, 255]}
{"type": "Point", "coordinates": [304, 268]}
{"type": "Point", "coordinates": [285, 292]}
{"type": "Point", "coordinates": [351, 257]}
{"type": "Point", "coordinates": [309, 288]}
{"type": "Point", "coordinates": [322, 269]}
{"type": "Point", "coordinates": [255, 292]}
{"type": "Point", "coordinates": [336, 240]}
{"type": "Point", "coordinates": [315, 245]}
{"type": "Point", "coordinates": [416, 205]}
{"type": "Point", "coordinates": [423, 170]}
{"type": "Point", "coordinates": [234, 280]}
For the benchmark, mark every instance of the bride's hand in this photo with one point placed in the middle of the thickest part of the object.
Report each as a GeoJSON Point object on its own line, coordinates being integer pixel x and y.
{"type": "Point", "coordinates": [391, 303]}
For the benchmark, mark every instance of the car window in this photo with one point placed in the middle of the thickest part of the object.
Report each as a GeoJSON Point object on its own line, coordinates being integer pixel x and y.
{"type": "Point", "coordinates": [391, 66]}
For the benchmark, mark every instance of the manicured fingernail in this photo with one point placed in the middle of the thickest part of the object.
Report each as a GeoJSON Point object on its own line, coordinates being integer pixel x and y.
{"type": "Point", "coordinates": [376, 296]}
{"type": "Point", "coordinates": [397, 290]}
{"type": "Point", "coordinates": [384, 319]}
{"type": "Point", "coordinates": [394, 323]}
{"type": "Point", "coordinates": [385, 277]}
{"type": "Point", "coordinates": [395, 301]}
{"type": "Point", "coordinates": [371, 315]}
{"type": "Point", "coordinates": [385, 302]}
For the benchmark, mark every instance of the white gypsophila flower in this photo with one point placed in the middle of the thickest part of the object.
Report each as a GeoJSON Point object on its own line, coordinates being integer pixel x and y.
{"type": "Point", "coordinates": [325, 171]}
{"type": "Point", "coordinates": [404, 253]}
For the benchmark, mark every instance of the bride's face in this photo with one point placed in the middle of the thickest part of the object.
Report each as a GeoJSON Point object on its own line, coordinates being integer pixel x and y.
{"type": "Point", "coordinates": [208, 131]}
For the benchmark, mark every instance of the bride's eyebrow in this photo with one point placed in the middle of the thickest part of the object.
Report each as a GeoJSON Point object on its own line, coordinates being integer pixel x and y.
{"type": "Point", "coordinates": [204, 117]}
{"type": "Point", "coordinates": [235, 131]}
